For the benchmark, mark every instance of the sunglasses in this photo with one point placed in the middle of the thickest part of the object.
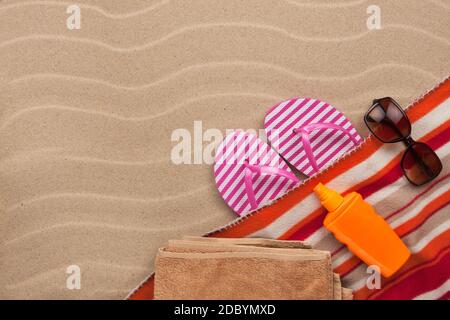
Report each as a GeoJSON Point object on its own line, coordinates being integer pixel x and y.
{"type": "Point", "coordinates": [389, 123]}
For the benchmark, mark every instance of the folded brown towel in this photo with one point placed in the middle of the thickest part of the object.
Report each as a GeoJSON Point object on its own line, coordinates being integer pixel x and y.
{"type": "Point", "coordinates": [249, 268]}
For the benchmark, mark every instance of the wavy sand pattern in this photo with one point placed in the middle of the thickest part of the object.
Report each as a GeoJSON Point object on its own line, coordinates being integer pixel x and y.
{"type": "Point", "coordinates": [87, 115]}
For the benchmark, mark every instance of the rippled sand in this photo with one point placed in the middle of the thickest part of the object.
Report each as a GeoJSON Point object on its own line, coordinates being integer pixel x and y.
{"type": "Point", "coordinates": [87, 115]}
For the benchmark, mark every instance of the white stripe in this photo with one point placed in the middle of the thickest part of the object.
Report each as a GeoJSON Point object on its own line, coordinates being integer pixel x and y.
{"type": "Point", "coordinates": [317, 236]}
{"type": "Point", "coordinates": [267, 153]}
{"type": "Point", "coordinates": [236, 167]}
{"type": "Point", "coordinates": [277, 139]}
{"type": "Point", "coordinates": [296, 140]}
{"type": "Point", "coordinates": [326, 145]}
{"type": "Point", "coordinates": [345, 139]}
{"type": "Point", "coordinates": [237, 161]}
{"type": "Point", "coordinates": [340, 260]}
{"type": "Point", "coordinates": [381, 194]}
{"type": "Point", "coordinates": [225, 157]}
{"type": "Point", "coordinates": [282, 116]}
{"type": "Point", "coordinates": [426, 201]}
{"type": "Point", "coordinates": [303, 119]}
{"type": "Point", "coordinates": [275, 162]}
{"type": "Point", "coordinates": [239, 180]}
{"type": "Point", "coordinates": [235, 139]}
{"type": "Point", "coordinates": [272, 113]}
{"type": "Point", "coordinates": [276, 186]}
{"type": "Point", "coordinates": [293, 118]}
{"type": "Point", "coordinates": [430, 236]}
{"type": "Point", "coordinates": [360, 172]}
{"type": "Point", "coordinates": [307, 117]}
{"type": "Point", "coordinates": [436, 293]}
{"type": "Point", "coordinates": [259, 181]}
{"type": "Point", "coordinates": [342, 150]}
{"type": "Point", "coordinates": [319, 140]}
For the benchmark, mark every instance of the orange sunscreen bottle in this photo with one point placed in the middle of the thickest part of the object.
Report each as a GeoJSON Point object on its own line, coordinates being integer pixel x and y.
{"type": "Point", "coordinates": [355, 223]}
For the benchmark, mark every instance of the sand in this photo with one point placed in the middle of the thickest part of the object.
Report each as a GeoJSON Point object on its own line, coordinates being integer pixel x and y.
{"type": "Point", "coordinates": [87, 115]}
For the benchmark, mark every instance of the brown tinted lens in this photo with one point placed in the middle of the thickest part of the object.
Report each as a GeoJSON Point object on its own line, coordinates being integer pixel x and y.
{"type": "Point", "coordinates": [387, 121]}
{"type": "Point", "coordinates": [421, 164]}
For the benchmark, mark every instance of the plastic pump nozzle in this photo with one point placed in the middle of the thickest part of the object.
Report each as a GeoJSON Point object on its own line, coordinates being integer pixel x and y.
{"type": "Point", "coordinates": [329, 198]}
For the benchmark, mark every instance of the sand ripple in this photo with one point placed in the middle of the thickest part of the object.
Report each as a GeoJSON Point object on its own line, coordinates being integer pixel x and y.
{"type": "Point", "coordinates": [195, 28]}
{"type": "Point", "coordinates": [98, 9]}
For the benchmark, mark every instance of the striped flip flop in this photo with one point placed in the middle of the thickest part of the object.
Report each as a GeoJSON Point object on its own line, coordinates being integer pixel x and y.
{"type": "Point", "coordinates": [309, 133]}
{"type": "Point", "coordinates": [249, 174]}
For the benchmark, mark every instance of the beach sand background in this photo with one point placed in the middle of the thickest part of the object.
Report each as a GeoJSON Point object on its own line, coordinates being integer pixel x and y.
{"type": "Point", "coordinates": [86, 116]}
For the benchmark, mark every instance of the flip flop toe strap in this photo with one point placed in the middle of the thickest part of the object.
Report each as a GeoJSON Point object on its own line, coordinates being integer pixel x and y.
{"type": "Point", "coordinates": [305, 132]}
{"type": "Point", "coordinates": [251, 169]}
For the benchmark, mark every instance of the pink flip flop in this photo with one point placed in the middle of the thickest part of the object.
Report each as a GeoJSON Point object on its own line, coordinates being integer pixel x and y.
{"type": "Point", "coordinates": [249, 174]}
{"type": "Point", "coordinates": [309, 133]}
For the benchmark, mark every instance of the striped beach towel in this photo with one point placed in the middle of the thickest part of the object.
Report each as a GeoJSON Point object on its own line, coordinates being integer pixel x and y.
{"type": "Point", "coordinates": [420, 215]}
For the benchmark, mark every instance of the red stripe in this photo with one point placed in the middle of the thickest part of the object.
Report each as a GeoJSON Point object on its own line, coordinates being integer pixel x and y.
{"type": "Point", "coordinates": [446, 296]}
{"type": "Point", "coordinates": [425, 220]}
{"type": "Point", "coordinates": [145, 291]}
{"type": "Point", "coordinates": [310, 228]}
{"type": "Point", "coordinates": [440, 139]}
{"type": "Point", "coordinates": [425, 278]}
{"type": "Point", "coordinates": [390, 177]}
